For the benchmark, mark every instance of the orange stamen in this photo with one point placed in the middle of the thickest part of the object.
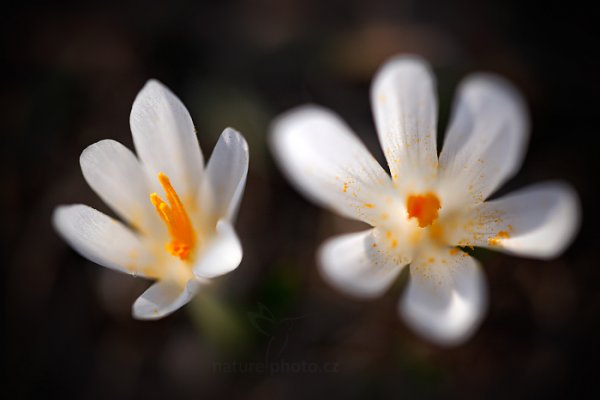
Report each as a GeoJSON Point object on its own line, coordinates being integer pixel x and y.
{"type": "Point", "coordinates": [423, 207]}
{"type": "Point", "coordinates": [175, 217]}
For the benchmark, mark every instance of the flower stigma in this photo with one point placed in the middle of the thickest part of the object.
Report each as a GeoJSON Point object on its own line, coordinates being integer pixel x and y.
{"type": "Point", "coordinates": [175, 217]}
{"type": "Point", "coordinates": [423, 207]}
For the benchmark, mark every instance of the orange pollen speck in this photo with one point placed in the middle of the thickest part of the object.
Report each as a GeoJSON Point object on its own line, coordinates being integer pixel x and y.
{"type": "Point", "coordinates": [494, 241]}
{"type": "Point", "coordinates": [423, 207]}
{"type": "Point", "coordinates": [175, 217]}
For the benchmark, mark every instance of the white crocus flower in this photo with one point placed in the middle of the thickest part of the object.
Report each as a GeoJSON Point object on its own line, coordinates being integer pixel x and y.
{"type": "Point", "coordinates": [430, 206]}
{"type": "Point", "coordinates": [179, 214]}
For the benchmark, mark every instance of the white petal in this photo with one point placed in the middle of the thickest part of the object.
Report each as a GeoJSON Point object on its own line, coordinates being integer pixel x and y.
{"type": "Point", "coordinates": [538, 221]}
{"type": "Point", "coordinates": [102, 239]}
{"type": "Point", "coordinates": [405, 110]}
{"type": "Point", "coordinates": [165, 139]}
{"type": "Point", "coordinates": [115, 174]}
{"type": "Point", "coordinates": [446, 297]}
{"type": "Point", "coordinates": [226, 173]}
{"type": "Point", "coordinates": [328, 163]}
{"type": "Point", "coordinates": [486, 141]}
{"type": "Point", "coordinates": [353, 265]}
{"type": "Point", "coordinates": [164, 298]}
{"type": "Point", "coordinates": [222, 254]}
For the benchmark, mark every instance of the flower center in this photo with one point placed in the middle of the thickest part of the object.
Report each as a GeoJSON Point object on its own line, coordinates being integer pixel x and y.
{"type": "Point", "coordinates": [175, 217]}
{"type": "Point", "coordinates": [423, 207]}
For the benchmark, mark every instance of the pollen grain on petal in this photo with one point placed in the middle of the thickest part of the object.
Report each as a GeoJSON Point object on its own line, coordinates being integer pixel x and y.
{"type": "Point", "coordinates": [496, 240]}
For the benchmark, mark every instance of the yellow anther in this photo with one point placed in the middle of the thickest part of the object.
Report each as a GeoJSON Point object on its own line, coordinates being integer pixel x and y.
{"type": "Point", "coordinates": [175, 217]}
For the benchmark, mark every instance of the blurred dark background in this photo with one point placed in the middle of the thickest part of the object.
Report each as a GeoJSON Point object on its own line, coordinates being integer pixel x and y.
{"type": "Point", "coordinates": [70, 72]}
